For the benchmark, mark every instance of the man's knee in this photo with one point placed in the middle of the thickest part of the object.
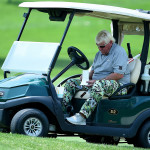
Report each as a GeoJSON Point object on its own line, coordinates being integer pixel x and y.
{"type": "Point", "coordinates": [110, 86]}
{"type": "Point", "coordinates": [105, 83]}
{"type": "Point", "coordinates": [71, 84]}
{"type": "Point", "coordinates": [72, 81]}
{"type": "Point", "coordinates": [98, 85]}
{"type": "Point", "coordinates": [104, 87]}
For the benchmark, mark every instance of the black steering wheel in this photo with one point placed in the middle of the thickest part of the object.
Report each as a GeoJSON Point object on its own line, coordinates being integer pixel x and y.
{"type": "Point", "coordinates": [78, 57]}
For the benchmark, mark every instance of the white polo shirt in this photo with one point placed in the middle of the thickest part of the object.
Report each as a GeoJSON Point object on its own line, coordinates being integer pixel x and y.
{"type": "Point", "coordinates": [114, 62]}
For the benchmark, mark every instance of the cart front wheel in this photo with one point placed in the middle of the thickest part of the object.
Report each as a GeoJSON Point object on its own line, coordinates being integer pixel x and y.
{"type": "Point", "coordinates": [31, 122]}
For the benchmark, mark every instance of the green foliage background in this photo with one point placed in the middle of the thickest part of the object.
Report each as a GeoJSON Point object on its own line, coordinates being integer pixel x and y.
{"type": "Point", "coordinates": [81, 33]}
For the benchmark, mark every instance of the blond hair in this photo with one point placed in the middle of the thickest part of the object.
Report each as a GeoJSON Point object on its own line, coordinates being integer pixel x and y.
{"type": "Point", "coordinates": [104, 36]}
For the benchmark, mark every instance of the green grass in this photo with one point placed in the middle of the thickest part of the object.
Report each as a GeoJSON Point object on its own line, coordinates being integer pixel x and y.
{"type": "Point", "coordinates": [21, 142]}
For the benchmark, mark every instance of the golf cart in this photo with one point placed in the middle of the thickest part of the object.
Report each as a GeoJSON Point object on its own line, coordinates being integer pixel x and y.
{"type": "Point", "coordinates": [30, 104]}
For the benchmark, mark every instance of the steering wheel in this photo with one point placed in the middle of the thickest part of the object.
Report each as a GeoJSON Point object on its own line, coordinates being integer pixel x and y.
{"type": "Point", "coordinates": [78, 57]}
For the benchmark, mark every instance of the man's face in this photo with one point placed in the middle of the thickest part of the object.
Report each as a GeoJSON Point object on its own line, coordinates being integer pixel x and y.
{"type": "Point", "coordinates": [104, 48]}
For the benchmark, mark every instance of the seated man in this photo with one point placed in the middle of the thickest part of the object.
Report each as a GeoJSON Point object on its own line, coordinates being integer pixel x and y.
{"type": "Point", "coordinates": [109, 72]}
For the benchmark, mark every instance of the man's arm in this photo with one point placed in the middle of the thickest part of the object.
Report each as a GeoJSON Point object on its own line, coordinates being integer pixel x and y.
{"type": "Point", "coordinates": [91, 74]}
{"type": "Point", "coordinates": [112, 76]}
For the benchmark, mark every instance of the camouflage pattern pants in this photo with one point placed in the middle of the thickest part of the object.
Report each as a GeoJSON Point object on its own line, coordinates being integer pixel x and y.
{"type": "Point", "coordinates": [97, 91]}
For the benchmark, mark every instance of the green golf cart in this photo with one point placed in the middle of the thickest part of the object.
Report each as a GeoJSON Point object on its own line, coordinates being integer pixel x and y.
{"type": "Point", "coordinates": [30, 102]}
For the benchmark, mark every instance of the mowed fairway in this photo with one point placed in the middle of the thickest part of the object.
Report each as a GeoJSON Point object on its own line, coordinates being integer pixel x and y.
{"type": "Point", "coordinates": [81, 35]}
{"type": "Point", "coordinates": [21, 142]}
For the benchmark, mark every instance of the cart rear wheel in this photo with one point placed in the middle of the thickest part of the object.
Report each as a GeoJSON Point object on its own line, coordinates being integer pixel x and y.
{"type": "Point", "coordinates": [31, 122]}
{"type": "Point", "coordinates": [143, 137]}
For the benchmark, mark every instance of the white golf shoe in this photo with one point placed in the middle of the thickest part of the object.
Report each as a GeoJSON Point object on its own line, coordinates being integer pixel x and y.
{"type": "Point", "coordinates": [77, 119]}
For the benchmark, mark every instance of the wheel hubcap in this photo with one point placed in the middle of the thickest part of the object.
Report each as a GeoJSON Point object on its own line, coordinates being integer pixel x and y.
{"type": "Point", "coordinates": [33, 127]}
{"type": "Point", "coordinates": [148, 137]}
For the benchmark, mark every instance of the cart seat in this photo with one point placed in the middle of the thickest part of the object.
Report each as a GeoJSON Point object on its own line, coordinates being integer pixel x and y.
{"type": "Point", "coordinates": [135, 69]}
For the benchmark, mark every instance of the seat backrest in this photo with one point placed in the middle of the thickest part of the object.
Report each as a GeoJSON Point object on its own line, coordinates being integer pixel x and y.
{"type": "Point", "coordinates": [135, 69]}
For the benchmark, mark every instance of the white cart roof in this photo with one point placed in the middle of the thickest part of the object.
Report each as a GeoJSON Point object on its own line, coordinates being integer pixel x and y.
{"type": "Point", "coordinates": [100, 11]}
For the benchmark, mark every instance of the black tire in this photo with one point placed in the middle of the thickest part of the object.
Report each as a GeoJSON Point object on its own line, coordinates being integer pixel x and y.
{"type": "Point", "coordinates": [31, 122]}
{"type": "Point", "coordinates": [143, 137]}
{"type": "Point", "coordinates": [133, 141]}
{"type": "Point", "coordinates": [102, 140]}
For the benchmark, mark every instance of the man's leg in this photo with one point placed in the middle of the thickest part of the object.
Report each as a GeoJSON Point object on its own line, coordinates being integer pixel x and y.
{"type": "Point", "coordinates": [71, 87]}
{"type": "Point", "coordinates": [99, 89]}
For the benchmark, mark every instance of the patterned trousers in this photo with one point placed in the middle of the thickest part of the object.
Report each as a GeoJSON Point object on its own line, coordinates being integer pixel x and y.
{"type": "Point", "coordinates": [97, 91]}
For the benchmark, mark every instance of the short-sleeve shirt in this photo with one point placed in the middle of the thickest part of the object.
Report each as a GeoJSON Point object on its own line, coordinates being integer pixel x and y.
{"type": "Point", "coordinates": [114, 62]}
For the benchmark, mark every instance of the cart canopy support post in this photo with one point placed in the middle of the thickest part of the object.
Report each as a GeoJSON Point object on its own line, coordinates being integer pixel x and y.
{"type": "Point", "coordinates": [51, 87]}
{"type": "Point", "coordinates": [115, 29]}
{"type": "Point", "coordinates": [59, 47]}
{"type": "Point", "coordinates": [26, 15]}
{"type": "Point", "coordinates": [145, 48]}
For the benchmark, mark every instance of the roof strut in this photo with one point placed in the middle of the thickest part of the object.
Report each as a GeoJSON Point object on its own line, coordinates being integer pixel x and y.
{"type": "Point", "coordinates": [145, 48]}
{"type": "Point", "coordinates": [26, 15]}
{"type": "Point", "coordinates": [115, 29]}
{"type": "Point", "coordinates": [144, 53]}
{"type": "Point", "coordinates": [62, 40]}
{"type": "Point", "coordinates": [56, 56]}
{"type": "Point", "coordinates": [67, 27]}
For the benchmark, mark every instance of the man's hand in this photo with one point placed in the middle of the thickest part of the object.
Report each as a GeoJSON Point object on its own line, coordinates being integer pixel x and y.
{"type": "Point", "coordinates": [81, 78]}
{"type": "Point", "coordinates": [90, 83]}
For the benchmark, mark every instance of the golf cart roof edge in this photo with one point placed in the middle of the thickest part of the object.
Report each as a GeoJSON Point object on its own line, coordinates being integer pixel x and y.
{"type": "Point", "coordinates": [96, 10]}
